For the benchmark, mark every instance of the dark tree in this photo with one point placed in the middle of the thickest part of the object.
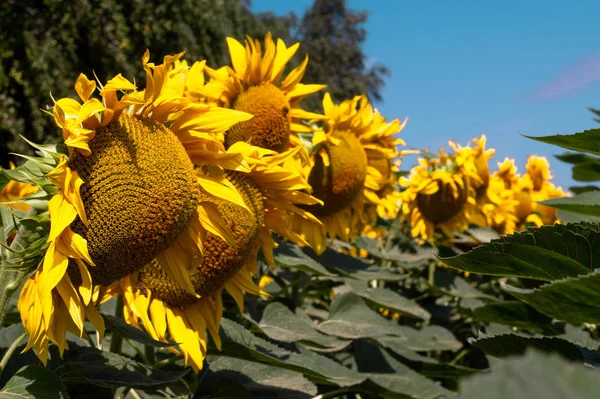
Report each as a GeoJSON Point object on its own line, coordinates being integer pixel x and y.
{"type": "Point", "coordinates": [49, 42]}
{"type": "Point", "coordinates": [332, 36]}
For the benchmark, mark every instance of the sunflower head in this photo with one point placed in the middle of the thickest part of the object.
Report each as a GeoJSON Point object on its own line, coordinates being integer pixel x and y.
{"type": "Point", "coordinates": [255, 84]}
{"type": "Point", "coordinates": [338, 174]}
{"type": "Point", "coordinates": [439, 195]}
{"type": "Point", "coordinates": [139, 194]}
{"type": "Point", "coordinates": [221, 260]}
{"type": "Point", "coordinates": [270, 126]}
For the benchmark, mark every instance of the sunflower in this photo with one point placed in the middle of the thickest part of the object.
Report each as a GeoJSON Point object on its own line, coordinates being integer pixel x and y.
{"type": "Point", "coordinates": [536, 186]}
{"type": "Point", "coordinates": [14, 191]}
{"type": "Point", "coordinates": [271, 189]}
{"type": "Point", "coordinates": [480, 157]}
{"type": "Point", "coordinates": [350, 170]}
{"type": "Point", "coordinates": [254, 85]}
{"type": "Point", "coordinates": [127, 195]}
{"type": "Point", "coordinates": [439, 197]}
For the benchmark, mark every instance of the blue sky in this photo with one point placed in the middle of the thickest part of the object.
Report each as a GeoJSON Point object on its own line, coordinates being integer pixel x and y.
{"type": "Point", "coordinates": [460, 69]}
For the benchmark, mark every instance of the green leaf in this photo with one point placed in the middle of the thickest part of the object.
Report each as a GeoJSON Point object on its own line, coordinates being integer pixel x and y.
{"type": "Point", "coordinates": [545, 253]}
{"type": "Point", "coordinates": [388, 299]}
{"type": "Point", "coordinates": [280, 324]}
{"type": "Point", "coordinates": [452, 284]}
{"type": "Point", "coordinates": [390, 378]}
{"type": "Point", "coordinates": [291, 256]}
{"type": "Point", "coordinates": [34, 382]}
{"type": "Point", "coordinates": [583, 189]}
{"type": "Point", "coordinates": [572, 217]}
{"type": "Point", "coordinates": [237, 342]}
{"type": "Point", "coordinates": [536, 375]}
{"type": "Point", "coordinates": [109, 370]}
{"type": "Point", "coordinates": [585, 204]}
{"type": "Point", "coordinates": [430, 338]}
{"type": "Point", "coordinates": [586, 141]}
{"type": "Point", "coordinates": [514, 314]}
{"type": "Point", "coordinates": [516, 344]}
{"type": "Point", "coordinates": [135, 334]}
{"type": "Point", "coordinates": [404, 259]}
{"type": "Point", "coordinates": [356, 268]}
{"type": "Point", "coordinates": [350, 317]}
{"type": "Point", "coordinates": [575, 300]}
{"type": "Point", "coordinates": [263, 380]}
{"type": "Point", "coordinates": [428, 366]}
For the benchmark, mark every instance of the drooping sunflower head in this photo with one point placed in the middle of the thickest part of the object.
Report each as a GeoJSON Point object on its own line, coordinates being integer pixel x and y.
{"type": "Point", "coordinates": [338, 173]}
{"type": "Point", "coordinates": [438, 195]}
{"type": "Point", "coordinates": [127, 195]}
{"type": "Point", "coordinates": [270, 191]}
{"type": "Point", "coordinates": [350, 171]}
{"type": "Point", "coordinates": [255, 84]}
{"type": "Point", "coordinates": [221, 260]}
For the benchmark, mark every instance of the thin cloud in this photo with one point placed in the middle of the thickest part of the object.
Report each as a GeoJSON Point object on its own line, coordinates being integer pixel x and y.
{"type": "Point", "coordinates": [572, 79]}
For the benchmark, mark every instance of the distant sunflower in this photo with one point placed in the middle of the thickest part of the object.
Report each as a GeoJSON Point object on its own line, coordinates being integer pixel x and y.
{"type": "Point", "coordinates": [480, 158]}
{"type": "Point", "coordinates": [536, 186]}
{"type": "Point", "coordinates": [14, 191]}
{"type": "Point", "coordinates": [254, 85]}
{"type": "Point", "coordinates": [127, 195]}
{"type": "Point", "coordinates": [270, 191]}
{"type": "Point", "coordinates": [439, 196]}
{"type": "Point", "coordinates": [350, 170]}
{"type": "Point", "coordinates": [500, 210]}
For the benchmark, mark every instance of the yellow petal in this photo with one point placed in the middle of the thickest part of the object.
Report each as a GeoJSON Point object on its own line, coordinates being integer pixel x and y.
{"type": "Point", "coordinates": [84, 87]}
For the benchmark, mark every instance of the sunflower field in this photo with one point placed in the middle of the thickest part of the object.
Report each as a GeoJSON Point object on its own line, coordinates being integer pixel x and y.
{"type": "Point", "coordinates": [200, 233]}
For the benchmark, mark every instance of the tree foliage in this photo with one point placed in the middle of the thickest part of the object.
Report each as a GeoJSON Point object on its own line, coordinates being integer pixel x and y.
{"type": "Point", "coordinates": [332, 35]}
{"type": "Point", "coordinates": [50, 42]}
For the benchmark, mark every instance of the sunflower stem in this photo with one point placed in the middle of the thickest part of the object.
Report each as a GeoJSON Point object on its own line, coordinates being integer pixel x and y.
{"type": "Point", "coordinates": [116, 340]}
{"type": "Point", "coordinates": [9, 352]}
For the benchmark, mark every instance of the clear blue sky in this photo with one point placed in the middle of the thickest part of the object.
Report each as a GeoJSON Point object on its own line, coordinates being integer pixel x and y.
{"type": "Point", "coordinates": [460, 69]}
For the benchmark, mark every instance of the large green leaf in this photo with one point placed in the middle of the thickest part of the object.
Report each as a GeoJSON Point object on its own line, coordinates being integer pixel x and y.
{"type": "Point", "coordinates": [545, 253]}
{"type": "Point", "coordinates": [423, 364]}
{"type": "Point", "coordinates": [34, 382]}
{"type": "Point", "coordinates": [516, 344]}
{"type": "Point", "coordinates": [392, 379]}
{"type": "Point", "coordinates": [109, 370]}
{"type": "Point", "coordinates": [280, 324]}
{"type": "Point", "coordinates": [586, 141]}
{"type": "Point", "coordinates": [575, 300]}
{"type": "Point", "coordinates": [262, 380]}
{"type": "Point", "coordinates": [536, 375]}
{"type": "Point", "coordinates": [514, 314]}
{"type": "Point", "coordinates": [350, 317]}
{"type": "Point", "coordinates": [388, 299]}
{"type": "Point", "coordinates": [291, 256]}
{"type": "Point", "coordinates": [404, 259]}
{"type": "Point", "coordinates": [356, 268]}
{"type": "Point", "coordinates": [430, 338]}
{"type": "Point", "coordinates": [585, 204]}
{"type": "Point", "coordinates": [452, 284]}
{"type": "Point", "coordinates": [242, 344]}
